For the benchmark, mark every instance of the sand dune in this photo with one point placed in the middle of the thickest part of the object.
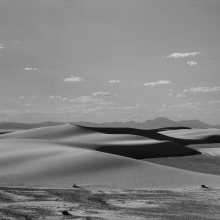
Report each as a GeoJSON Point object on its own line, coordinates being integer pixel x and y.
{"type": "Point", "coordinates": [197, 136]}
{"type": "Point", "coordinates": [193, 133]}
{"type": "Point", "coordinates": [207, 149]}
{"type": "Point", "coordinates": [64, 155]}
{"type": "Point", "coordinates": [210, 151]}
{"type": "Point", "coordinates": [5, 131]}
{"type": "Point", "coordinates": [127, 145]}
{"type": "Point", "coordinates": [78, 133]}
{"type": "Point", "coordinates": [70, 133]}
{"type": "Point", "coordinates": [62, 132]}
{"type": "Point", "coordinates": [184, 137]}
{"type": "Point", "coordinates": [43, 164]}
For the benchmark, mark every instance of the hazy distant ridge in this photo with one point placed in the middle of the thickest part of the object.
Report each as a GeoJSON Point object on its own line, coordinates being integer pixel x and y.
{"type": "Point", "coordinates": [155, 123]}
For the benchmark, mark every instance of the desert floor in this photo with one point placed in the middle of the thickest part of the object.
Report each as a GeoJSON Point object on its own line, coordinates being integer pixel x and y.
{"type": "Point", "coordinates": [73, 172]}
{"type": "Point", "coordinates": [24, 203]}
{"type": "Point", "coordinates": [197, 163]}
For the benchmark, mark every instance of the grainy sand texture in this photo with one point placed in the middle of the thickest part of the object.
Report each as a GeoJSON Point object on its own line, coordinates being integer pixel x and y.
{"type": "Point", "coordinates": [62, 156]}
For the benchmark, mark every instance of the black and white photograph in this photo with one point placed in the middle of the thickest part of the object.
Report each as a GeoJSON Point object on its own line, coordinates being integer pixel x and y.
{"type": "Point", "coordinates": [110, 109]}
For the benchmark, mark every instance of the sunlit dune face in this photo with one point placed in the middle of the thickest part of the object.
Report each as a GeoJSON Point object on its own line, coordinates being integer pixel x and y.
{"type": "Point", "coordinates": [60, 156]}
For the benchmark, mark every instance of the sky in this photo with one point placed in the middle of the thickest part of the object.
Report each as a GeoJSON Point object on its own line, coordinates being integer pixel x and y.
{"type": "Point", "coordinates": [103, 61]}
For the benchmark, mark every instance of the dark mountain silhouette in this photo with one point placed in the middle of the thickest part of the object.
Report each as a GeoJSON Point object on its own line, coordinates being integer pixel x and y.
{"type": "Point", "coordinates": [160, 122]}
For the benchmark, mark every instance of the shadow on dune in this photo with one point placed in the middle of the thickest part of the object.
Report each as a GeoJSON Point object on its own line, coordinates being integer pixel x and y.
{"type": "Point", "coordinates": [6, 131]}
{"type": "Point", "coordinates": [136, 150]}
{"type": "Point", "coordinates": [128, 142]}
{"type": "Point", "coordinates": [153, 134]}
{"type": "Point", "coordinates": [63, 155]}
{"type": "Point", "coordinates": [151, 150]}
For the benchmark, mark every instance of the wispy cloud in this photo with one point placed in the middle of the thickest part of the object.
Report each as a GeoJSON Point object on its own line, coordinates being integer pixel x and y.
{"type": "Point", "coordinates": [100, 93]}
{"type": "Point", "coordinates": [55, 97]}
{"type": "Point", "coordinates": [21, 97]}
{"type": "Point", "coordinates": [202, 89]}
{"type": "Point", "coordinates": [114, 81]}
{"type": "Point", "coordinates": [179, 55]}
{"type": "Point", "coordinates": [180, 95]}
{"type": "Point", "coordinates": [190, 105]}
{"type": "Point", "coordinates": [86, 99]}
{"type": "Point", "coordinates": [28, 104]}
{"type": "Point", "coordinates": [2, 46]}
{"type": "Point", "coordinates": [30, 68]}
{"type": "Point", "coordinates": [191, 63]}
{"type": "Point", "coordinates": [83, 99]}
{"type": "Point", "coordinates": [213, 102]}
{"type": "Point", "coordinates": [73, 79]}
{"type": "Point", "coordinates": [114, 109]}
{"type": "Point", "coordinates": [161, 82]}
{"type": "Point", "coordinates": [89, 99]}
{"type": "Point", "coordinates": [72, 107]}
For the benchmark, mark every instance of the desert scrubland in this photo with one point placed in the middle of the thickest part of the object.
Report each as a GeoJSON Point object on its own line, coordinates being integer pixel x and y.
{"type": "Point", "coordinates": [67, 171]}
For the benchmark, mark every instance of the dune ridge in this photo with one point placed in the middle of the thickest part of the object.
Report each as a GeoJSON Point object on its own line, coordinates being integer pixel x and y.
{"type": "Point", "coordinates": [128, 145]}
{"type": "Point", "coordinates": [61, 156]}
{"type": "Point", "coordinates": [41, 163]}
{"type": "Point", "coordinates": [188, 136]}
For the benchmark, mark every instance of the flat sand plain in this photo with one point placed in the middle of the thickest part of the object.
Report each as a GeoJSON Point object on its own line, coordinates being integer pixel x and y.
{"type": "Point", "coordinates": [75, 172]}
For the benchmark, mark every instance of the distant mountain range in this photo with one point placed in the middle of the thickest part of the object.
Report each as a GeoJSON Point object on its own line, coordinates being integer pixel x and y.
{"type": "Point", "coordinates": [149, 124]}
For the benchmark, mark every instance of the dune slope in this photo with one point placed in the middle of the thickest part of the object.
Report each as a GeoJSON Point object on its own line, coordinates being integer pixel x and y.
{"type": "Point", "coordinates": [184, 137]}
{"type": "Point", "coordinates": [128, 145]}
{"type": "Point", "coordinates": [40, 163]}
{"type": "Point", "coordinates": [64, 155]}
{"type": "Point", "coordinates": [195, 136]}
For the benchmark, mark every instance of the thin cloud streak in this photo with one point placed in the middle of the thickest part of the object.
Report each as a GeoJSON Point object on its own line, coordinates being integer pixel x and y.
{"type": "Point", "coordinates": [180, 95]}
{"type": "Point", "coordinates": [190, 105]}
{"type": "Point", "coordinates": [161, 82]}
{"type": "Point", "coordinates": [202, 89]}
{"type": "Point", "coordinates": [30, 68]}
{"type": "Point", "coordinates": [2, 46]}
{"type": "Point", "coordinates": [86, 99]}
{"type": "Point", "coordinates": [181, 55]}
{"type": "Point", "coordinates": [100, 93]}
{"type": "Point", "coordinates": [55, 97]}
{"type": "Point", "coordinates": [213, 102]}
{"type": "Point", "coordinates": [114, 81]}
{"type": "Point", "coordinates": [192, 63]}
{"type": "Point", "coordinates": [73, 79]}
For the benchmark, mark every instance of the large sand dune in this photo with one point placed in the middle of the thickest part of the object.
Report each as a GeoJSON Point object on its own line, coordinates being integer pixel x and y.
{"type": "Point", "coordinates": [184, 136]}
{"type": "Point", "coordinates": [195, 136]}
{"type": "Point", "coordinates": [128, 145]}
{"type": "Point", "coordinates": [65, 155]}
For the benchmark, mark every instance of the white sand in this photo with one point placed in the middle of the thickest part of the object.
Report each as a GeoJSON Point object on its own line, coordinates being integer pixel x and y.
{"type": "Point", "coordinates": [45, 158]}
{"type": "Point", "coordinates": [197, 134]}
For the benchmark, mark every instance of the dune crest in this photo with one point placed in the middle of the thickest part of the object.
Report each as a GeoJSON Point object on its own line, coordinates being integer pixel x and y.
{"type": "Point", "coordinates": [41, 164]}
{"type": "Point", "coordinates": [128, 145]}
{"type": "Point", "coordinates": [61, 156]}
{"type": "Point", "coordinates": [184, 137]}
{"type": "Point", "coordinates": [195, 136]}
